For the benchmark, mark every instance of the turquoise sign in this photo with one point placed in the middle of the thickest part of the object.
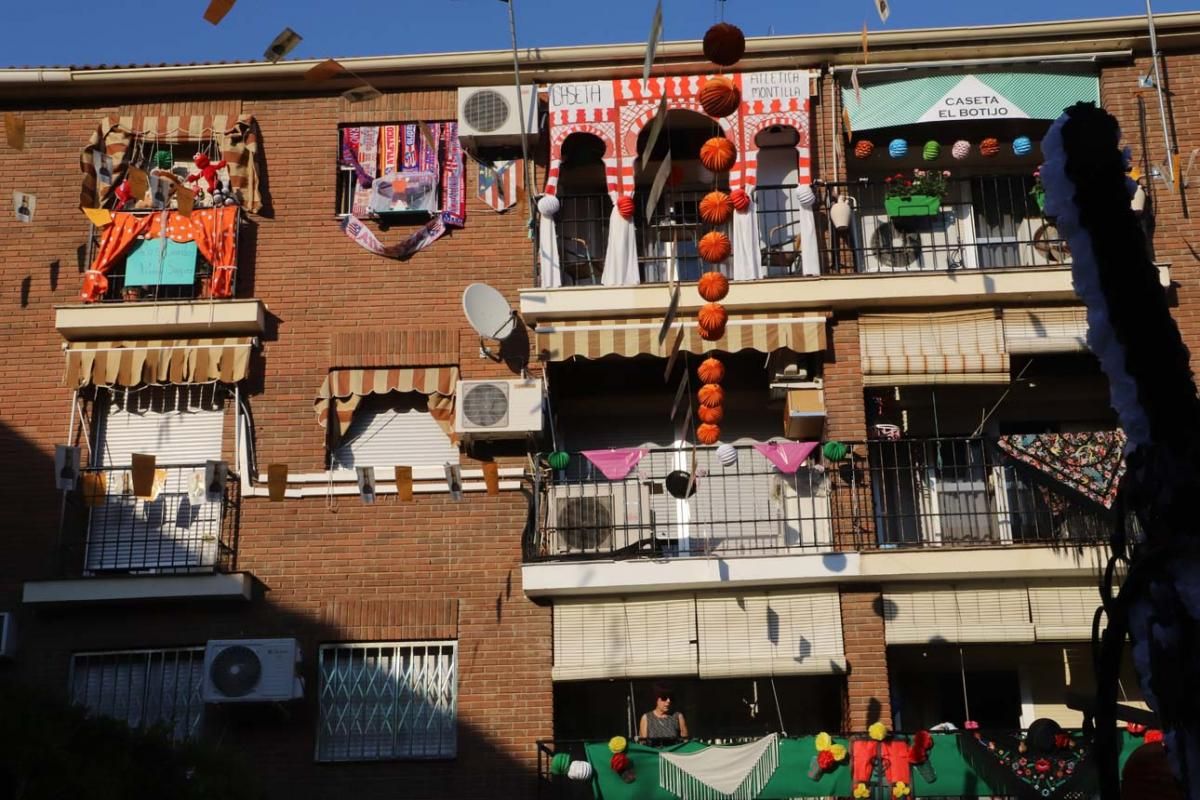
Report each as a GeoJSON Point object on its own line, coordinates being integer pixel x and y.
{"type": "Point", "coordinates": [150, 264]}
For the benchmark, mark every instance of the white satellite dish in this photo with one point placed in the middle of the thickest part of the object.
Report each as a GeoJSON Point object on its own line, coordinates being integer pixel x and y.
{"type": "Point", "coordinates": [489, 314]}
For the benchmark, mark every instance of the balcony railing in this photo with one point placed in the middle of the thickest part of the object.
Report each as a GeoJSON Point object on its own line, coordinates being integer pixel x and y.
{"type": "Point", "coordinates": [988, 222]}
{"type": "Point", "coordinates": [953, 492]}
{"type": "Point", "coordinates": [186, 525]}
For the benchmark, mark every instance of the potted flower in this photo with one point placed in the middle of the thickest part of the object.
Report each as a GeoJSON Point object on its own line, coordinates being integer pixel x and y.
{"type": "Point", "coordinates": [917, 196]}
{"type": "Point", "coordinates": [1038, 192]}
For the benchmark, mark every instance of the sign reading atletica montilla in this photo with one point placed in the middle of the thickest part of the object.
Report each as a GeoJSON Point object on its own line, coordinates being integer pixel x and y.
{"type": "Point", "coordinates": [767, 86]}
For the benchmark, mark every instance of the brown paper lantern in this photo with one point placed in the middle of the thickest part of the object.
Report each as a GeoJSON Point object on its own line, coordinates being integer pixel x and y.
{"type": "Point", "coordinates": [714, 247]}
{"type": "Point", "coordinates": [718, 154]}
{"type": "Point", "coordinates": [710, 415]}
{"type": "Point", "coordinates": [713, 286]}
{"type": "Point", "coordinates": [719, 96]}
{"type": "Point", "coordinates": [707, 433]}
{"type": "Point", "coordinates": [710, 371]}
{"type": "Point", "coordinates": [724, 44]}
{"type": "Point", "coordinates": [989, 147]}
{"type": "Point", "coordinates": [739, 199]}
{"type": "Point", "coordinates": [715, 208]}
{"type": "Point", "coordinates": [626, 206]}
{"type": "Point", "coordinates": [711, 395]}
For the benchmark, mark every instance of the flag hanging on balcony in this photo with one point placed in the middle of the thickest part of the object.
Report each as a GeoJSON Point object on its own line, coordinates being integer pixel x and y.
{"type": "Point", "coordinates": [717, 772]}
{"type": "Point", "coordinates": [1090, 463]}
{"type": "Point", "coordinates": [786, 456]}
{"type": "Point", "coordinates": [616, 464]}
{"type": "Point", "coordinates": [498, 183]}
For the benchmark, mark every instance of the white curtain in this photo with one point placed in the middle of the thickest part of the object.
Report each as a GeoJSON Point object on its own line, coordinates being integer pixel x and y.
{"type": "Point", "coordinates": [621, 260]}
{"type": "Point", "coordinates": [551, 266]}
{"type": "Point", "coordinates": [810, 249]}
{"type": "Point", "coordinates": [747, 255]}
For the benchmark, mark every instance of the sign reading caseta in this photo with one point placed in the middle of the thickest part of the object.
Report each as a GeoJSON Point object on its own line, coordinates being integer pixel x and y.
{"type": "Point", "coordinates": [972, 99]}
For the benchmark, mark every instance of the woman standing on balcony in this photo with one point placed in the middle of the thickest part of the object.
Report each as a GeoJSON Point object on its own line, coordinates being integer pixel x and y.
{"type": "Point", "coordinates": [662, 723]}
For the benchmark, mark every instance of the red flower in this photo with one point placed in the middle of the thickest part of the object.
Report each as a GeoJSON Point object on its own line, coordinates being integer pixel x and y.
{"type": "Point", "coordinates": [619, 763]}
{"type": "Point", "coordinates": [908, 183]}
{"type": "Point", "coordinates": [1153, 735]}
{"type": "Point", "coordinates": [1042, 765]}
{"type": "Point", "coordinates": [1135, 728]}
{"type": "Point", "coordinates": [1062, 740]}
{"type": "Point", "coordinates": [918, 751]}
{"type": "Point", "coordinates": [825, 760]}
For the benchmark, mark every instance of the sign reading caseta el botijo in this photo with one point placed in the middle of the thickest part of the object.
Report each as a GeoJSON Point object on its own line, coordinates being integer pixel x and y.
{"type": "Point", "coordinates": [970, 99]}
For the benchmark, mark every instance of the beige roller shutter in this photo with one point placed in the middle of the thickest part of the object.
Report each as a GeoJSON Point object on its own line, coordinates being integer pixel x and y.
{"type": "Point", "coordinates": [955, 614]}
{"type": "Point", "coordinates": [1063, 613]}
{"type": "Point", "coordinates": [953, 347]}
{"type": "Point", "coordinates": [792, 633]}
{"type": "Point", "coordinates": [624, 638]}
{"type": "Point", "coordinates": [1045, 330]}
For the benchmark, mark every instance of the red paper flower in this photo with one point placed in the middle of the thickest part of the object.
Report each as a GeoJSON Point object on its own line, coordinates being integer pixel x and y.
{"type": "Point", "coordinates": [1062, 740]}
{"type": "Point", "coordinates": [1153, 735]}
{"type": "Point", "coordinates": [619, 762]}
{"type": "Point", "coordinates": [1042, 765]}
{"type": "Point", "coordinates": [825, 760]}
{"type": "Point", "coordinates": [1136, 728]}
{"type": "Point", "coordinates": [918, 751]}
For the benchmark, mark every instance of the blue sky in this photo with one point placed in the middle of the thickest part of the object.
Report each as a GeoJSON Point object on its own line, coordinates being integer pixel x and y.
{"type": "Point", "coordinates": [45, 32]}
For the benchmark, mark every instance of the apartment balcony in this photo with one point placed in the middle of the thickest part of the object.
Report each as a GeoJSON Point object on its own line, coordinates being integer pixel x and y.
{"type": "Point", "coordinates": [862, 517]}
{"type": "Point", "coordinates": [180, 542]}
{"type": "Point", "coordinates": [153, 287]}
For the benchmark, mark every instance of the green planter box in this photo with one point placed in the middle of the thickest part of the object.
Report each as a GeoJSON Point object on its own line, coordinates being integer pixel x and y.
{"type": "Point", "coordinates": [919, 205]}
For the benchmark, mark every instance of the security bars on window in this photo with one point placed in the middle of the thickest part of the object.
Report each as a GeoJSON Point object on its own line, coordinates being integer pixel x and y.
{"type": "Point", "coordinates": [145, 688]}
{"type": "Point", "coordinates": [388, 701]}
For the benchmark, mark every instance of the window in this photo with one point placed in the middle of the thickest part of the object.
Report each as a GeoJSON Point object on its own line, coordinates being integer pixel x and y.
{"type": "Point", "coordinates": [393, 168]}
{"type": "Point", "coordinates": [393, 429]}
{"type": "Point", "coordinates": [388, 701]}
{"type": "Point", "coordinates": [145, 688]}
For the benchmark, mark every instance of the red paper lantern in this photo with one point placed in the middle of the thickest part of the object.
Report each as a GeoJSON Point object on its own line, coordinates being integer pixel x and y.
{"type": "Point", "coordinates": [712, 316]}
{"type": "Point", "coordinates": [715, 208]}
{"type": "Point", "coordinates": [718, 154]}
{"type": "Point", "coordinates": [739, 199]}
{"type": "Point", "coordinates": [714, 247]}
{"type": "Point", "coordinates": [989, 147]}
{"type": "Point", "coordinates": [710, 371]}
{"type": "Point", "coordinates": [863, 149]}
{"type": "Point", "coordinates": [710, 334]}
{"type": "Point", "coordinates": [619, 762]}
{"type": "Point", "coordinates": [713, 287]}
{"type": "Point", "coordinates": [719, 97]}
{"type": "Point", "coordinates": [707, 433]}
{"type": "Point", "coordinates": [626, 206]}
{"type": "Point", "coordinates": [724, 44]}
{"type": "Point", "coordinates": [712, 416]}
{"type": "Point", "coordinates": [711, 395]}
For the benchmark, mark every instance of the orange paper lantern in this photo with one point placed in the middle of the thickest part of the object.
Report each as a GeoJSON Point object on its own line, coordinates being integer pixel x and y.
{"type": "Point", "coordinates": [715, 208]}
{"type": "Point", "coordinates": [863, 149]}
{"type": "Point", "coordinates": [707, 433]}
{"type": "Point", "coordinates": [711, 395]}
{"type": "Point", "coordinates": [739, 199]}
{"type": "Point", "coordinates": [710, 415]}
{"type": "Point", "coordinates": [710, 371]}
{"type": "Point", "coordinates": [724, 44]}
{"type": "Point", "coordinates": [989, 146]}
{"type": "Point", "coordinates": [712, 316]}
{"type": "Point", "coordinates": [719, 97]}
{"type": "Point", "coordinates": [714, 247]}
{"type": "Point", "coordinates": [717, 154]}
{"type": "Point", "coordinates": [625, 206]}
{"type": "Point", "coordinates": [710, 334]}
{"type": "Point", "coordinates": [713, 286]}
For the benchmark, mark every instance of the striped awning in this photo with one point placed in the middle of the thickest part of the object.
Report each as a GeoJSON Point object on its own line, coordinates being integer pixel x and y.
{"type": "Point", "coordinates": [952, 347]}
{"type": "Point", "coordinates": [346, 388]}
{"type": "Point", "coordinates": [1046, 330]}
{"type": "Point", "coordinates": [130, 363]}
{"type": "Point", "coordinates": [558, 341]}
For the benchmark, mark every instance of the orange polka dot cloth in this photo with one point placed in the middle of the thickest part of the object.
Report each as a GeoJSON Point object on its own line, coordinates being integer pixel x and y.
{"type": "Point", "coordinates": [214, 230]}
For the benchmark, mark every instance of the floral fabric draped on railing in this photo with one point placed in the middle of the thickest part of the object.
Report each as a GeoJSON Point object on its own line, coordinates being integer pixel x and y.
{"type": "Point", "coordinates": [1090, 463]}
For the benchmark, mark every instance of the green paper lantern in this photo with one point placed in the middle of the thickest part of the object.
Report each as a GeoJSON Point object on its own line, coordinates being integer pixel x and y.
{"type": "Point", "coordinates": [163, 159]}
{"type": "Point", "coordinates": [932, 151]}
{"type": "Point", "coordinates": [560, 763]}
{"type": "Point", "coordinates": [558, 459]}
{"type": "Point", "coordinates": [834, 451]}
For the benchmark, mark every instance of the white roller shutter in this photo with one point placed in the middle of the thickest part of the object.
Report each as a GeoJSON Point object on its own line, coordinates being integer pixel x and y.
{"type": "Point", "coordinates": [177, 424]}
{"type": "Point", "coordinates": [958, 615]}
{"type": "Point", "coordinates": [793, 633]}
{"type": "Point", "coordinates": [1063, 613]}
{"type": "Point", "coordinates": [624, 638]}
{"type": "Point", "coordinates": [1045, 330]}
{"type": "Point", "coordinates": [391, 430]}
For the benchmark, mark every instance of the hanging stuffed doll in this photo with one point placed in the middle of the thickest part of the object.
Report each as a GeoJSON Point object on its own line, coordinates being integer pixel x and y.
{"type": "Point", "coordinates": [208, 172]}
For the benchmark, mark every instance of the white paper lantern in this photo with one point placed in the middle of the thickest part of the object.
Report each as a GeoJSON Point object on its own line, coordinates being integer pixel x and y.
{"type": "Point", "coordinates": [727, 454]}
{"type": "Point", "coordinates": [805, 196]}
{"type": "Point", "coordinates": [549, 205]}
{"type": "Point", "coordinates": [580, 771]}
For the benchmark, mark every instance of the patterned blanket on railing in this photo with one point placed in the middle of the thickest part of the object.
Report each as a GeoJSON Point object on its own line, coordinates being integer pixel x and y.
{"type": "Point", "coordinates": [1090, 463]}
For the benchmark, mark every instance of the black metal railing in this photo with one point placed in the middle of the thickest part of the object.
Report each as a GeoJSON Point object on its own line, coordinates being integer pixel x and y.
{"type": "Point", "coordinates": [200, 288]}
{"type": "Point", "coordinates": [184, 525]}
{"type": "Point", "coordinates": [953, 492]}
{"type": "Point", "coordinates": [986, 222]}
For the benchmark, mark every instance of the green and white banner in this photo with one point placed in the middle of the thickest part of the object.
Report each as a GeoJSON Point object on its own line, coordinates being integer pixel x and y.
{"type": "Point", "coordinates": [962, 97]}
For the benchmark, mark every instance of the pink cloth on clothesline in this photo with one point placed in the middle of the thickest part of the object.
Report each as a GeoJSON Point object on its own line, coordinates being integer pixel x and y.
{"type": "Point", "coordinates": [786, 456]}
{"type": "Point", "coordinates": [616, 464]}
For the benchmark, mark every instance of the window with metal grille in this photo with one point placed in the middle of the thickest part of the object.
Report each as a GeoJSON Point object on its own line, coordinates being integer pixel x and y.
{"type": "Point", "coordinates": [385, 701]}
{"type": "Point", "coordinates": [145, 688]}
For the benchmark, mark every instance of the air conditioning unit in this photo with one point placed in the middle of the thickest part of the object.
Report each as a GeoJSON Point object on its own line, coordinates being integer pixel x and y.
{"type": "Point", "coordinates": [251, 671]}
{"type": "Point", "coordinates": [505, 409]}
{"type": "Point", "coordinates": [492, 116]}
{"type": "Point", "coordinates": [598, 518]}
{"type": "Point", "coordinates": [8, 634]}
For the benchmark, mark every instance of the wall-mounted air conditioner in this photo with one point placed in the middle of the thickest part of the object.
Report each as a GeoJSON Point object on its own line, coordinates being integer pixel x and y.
{"type": "Point", "coordinates": [251, 671]}
{"type": "Point", "coordinates": [492, 116]}
{"type": "Point", "coordinates": [598, 517]}
{"type": "Point", "coordinates": [8, 634]}
{"type": "Point", "coordinates": [503, 409]}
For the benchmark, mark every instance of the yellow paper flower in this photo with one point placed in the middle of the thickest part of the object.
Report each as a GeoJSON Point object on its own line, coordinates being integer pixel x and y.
{"type": "Point", "coordinates": [877, 731]}
{"type": "Point", "coordinates": [823, 742]}
{"type": "Point", "coordinates": [862, 792]}
{"type": "Point", "coordinates": [901, 789]}
{"type": "Point", "coordinates": [617, 744]}
{"type": "Point", "coordinates": [839, 752]}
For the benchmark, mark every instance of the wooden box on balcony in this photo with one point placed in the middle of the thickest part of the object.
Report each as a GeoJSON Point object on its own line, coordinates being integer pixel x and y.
{"type": "Point", "coordinates": [804, 411]}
